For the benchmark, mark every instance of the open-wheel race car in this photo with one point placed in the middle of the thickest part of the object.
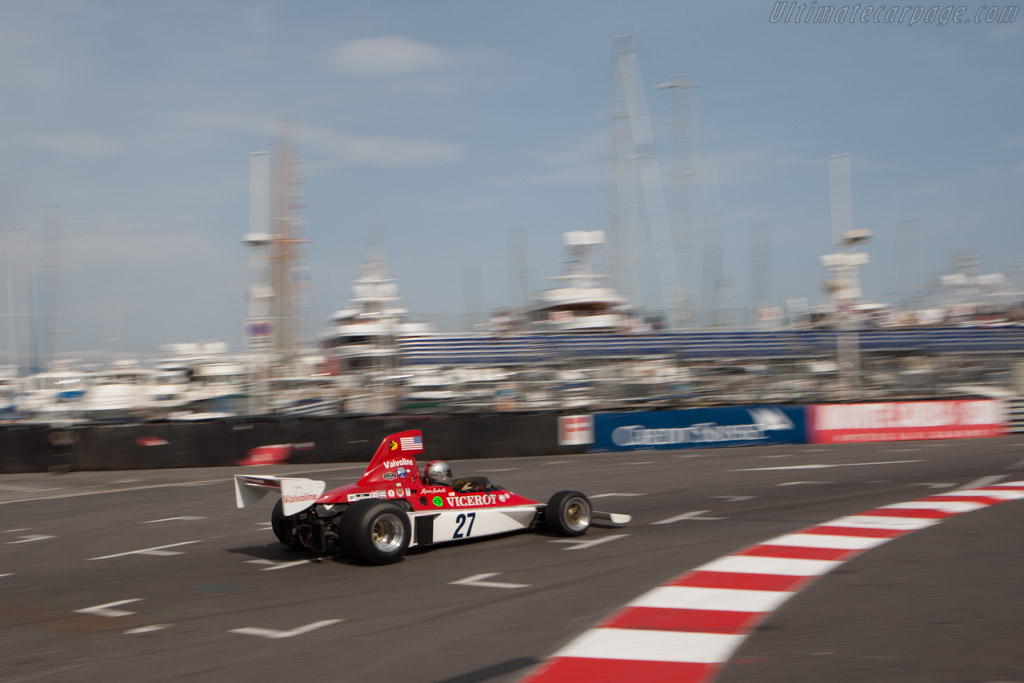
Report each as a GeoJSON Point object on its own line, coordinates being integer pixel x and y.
{"type": "Point", "coordinates": [392, 507]}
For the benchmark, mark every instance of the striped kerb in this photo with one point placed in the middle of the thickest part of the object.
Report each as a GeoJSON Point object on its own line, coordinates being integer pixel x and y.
{"type": "Point", "coordinates": [685, 630]}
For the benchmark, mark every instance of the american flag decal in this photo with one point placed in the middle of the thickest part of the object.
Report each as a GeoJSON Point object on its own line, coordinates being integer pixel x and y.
{"type": "Point", "coordinates": [412, 443]}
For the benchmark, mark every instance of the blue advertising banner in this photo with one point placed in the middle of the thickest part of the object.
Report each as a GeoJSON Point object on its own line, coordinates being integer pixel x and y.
{"type": "Point", "coordinates": [698, 428]}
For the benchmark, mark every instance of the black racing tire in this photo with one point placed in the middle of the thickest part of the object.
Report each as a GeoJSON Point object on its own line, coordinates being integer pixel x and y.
{"type": "Point", "coordinates": [375, 532]}
{"type": "Point", "coordinates": [568, 513]}
{"type": "Point", "coordinates": [283, 527]}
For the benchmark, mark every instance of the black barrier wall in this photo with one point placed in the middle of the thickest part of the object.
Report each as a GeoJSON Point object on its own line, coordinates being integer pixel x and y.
{"type": "Point", "coordinates": [221, 443]}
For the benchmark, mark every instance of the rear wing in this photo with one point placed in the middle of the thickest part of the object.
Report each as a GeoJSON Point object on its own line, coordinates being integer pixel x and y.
{"type": "Point", "coordinates": [297, 493]}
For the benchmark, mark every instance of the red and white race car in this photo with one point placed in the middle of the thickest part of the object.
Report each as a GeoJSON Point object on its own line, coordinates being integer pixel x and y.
{"type": "Point", "coordinates": [393, 507]}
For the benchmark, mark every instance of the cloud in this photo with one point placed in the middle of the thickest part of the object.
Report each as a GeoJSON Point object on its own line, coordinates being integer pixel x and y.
{"type": "Point", "coordinates": [596, 146]}
{"type": "Point", "coordinates": [385, 151]}
{"type": "Point", "coordinates": [387, 56]}
{"type": "Point", "coordinates": [1014, 141]}
{"type": "Point", "coordinates": [351, 150]}
{"type": "Point", "coordinates": [77, 144]}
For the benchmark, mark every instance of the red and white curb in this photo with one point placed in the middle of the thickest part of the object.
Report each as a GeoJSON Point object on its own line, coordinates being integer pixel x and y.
{"type": "Point", "coordinates": [685, 630]}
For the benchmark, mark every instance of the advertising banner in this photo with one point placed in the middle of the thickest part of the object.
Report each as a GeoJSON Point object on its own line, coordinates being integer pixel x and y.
{"type": "Point", "coordinates": [575, 430]}
{"type": "Point", "coordinates": [698, 428]}
{"type": "Point", "coordinates": [906, 421]}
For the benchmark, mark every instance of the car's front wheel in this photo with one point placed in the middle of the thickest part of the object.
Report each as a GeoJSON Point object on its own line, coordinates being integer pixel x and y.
{"type": "Point", "coordinates": [568, 513]}
{"type": "Point", "coordinates": [375, 532]}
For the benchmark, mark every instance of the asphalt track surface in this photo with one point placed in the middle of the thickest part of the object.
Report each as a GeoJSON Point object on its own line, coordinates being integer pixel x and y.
{"type": "Point", "coordinates": [156, 576]}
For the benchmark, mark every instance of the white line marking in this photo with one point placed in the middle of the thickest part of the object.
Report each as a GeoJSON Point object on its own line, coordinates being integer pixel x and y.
{"type": "Point", "coordinates": [982, 482]}
{"type": "Point", "coordinates": [1016, 465]}
{"type": "Point", "coordinates": [784, 455]}
{"type": "Point", "coordinates": [901, 450]}
{"type": "Point", "coordinates": [7, 574]}
{"type": "Point", "coordinates": [943, 505]}
{"type": "Point", "coordinates": [278, 565]}
{"type": "Point", "coordinates": [657, 646]}
{"type": "Point", "coordinates": [643, 462]}
{"type": "Point", "coordinates": [733, 499]}
{"type": "Point", "coordinates": [28, 489]}
{"type": "Point", "coordinates": [719, 599]}
{"type": "Point", "coordinates": [985, 493]}
{"type": "Point", "coordinates": [147, 629]}
{"type": "Point", "coordinates": [622, 495]}
{"type": "Point", "coordinates": [873, 522]}
{"type": "Point", "coordinates": [14, 531]}
{"type": "Point", "coordinates": [480, 580]}
{"type": "Point", "coordinates": [105, 610]}
{"type": "Point", "coordinates": [582, 545]}
{"type": "Point", "coordinates": [935, 485]}
{"type": "Point", "coordinates": [695, 515]}
{"type": "Point", "coordinates": [273, 634]}
{"type": "Point", "coordinates": [503, 469]}
{"type": "Point", "coordinates": [157, 551]}
{"type": "Point", "coordinates": [798, 483]}
{"type": "Point", "coordinates": [31, 539]}
{"type": "Point", "coordinates": [186, 518]}
{"type": "Point", "coordinates": [821, 467]}
{"type": "Point", "coordinates": [751, 564]}
{"type": "Point", "coordinates": [827, 541]}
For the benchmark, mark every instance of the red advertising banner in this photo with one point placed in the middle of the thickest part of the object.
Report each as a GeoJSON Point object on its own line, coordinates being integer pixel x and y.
{"type": "Point", "coordinates": [909, 421]}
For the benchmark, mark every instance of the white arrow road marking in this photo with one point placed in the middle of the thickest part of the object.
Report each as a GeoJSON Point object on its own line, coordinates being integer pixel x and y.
{"type": "Point", "coordinates": [271, 633]}
{"type": "Point", "coordinates": [30, 539]}
{"type": "Point", "coordinates": [158, 551]}
{"type": "Point", "coordinates": [479, 580]}
{"type": "Point", "coordinates": [695, 515]}
{"type": "Point", "coordinates": [611, 495]}
{"type": "Point", "coordinates": [147, 629]}
{"type": "Point", "coordinates": [934, 485]}
{"type": "Point", "coordinates": [186, 518]}
{"type": "Point", "coordinates": [277, 565]}
{"type": "Point", "coordinates": [797, 483]}
{"type": "Point", "coordinates": [7, 574]}
{"type": "Point", "coordinates": [105, 610]}
{"type": "Point", "coordinates": [733, 499]}
{"type": "Point", "coordinates": [820, 467]}
{"type": "Point", "coordinates": [14, 531]}
{"type": "Point", "coordinates": [580, 545]}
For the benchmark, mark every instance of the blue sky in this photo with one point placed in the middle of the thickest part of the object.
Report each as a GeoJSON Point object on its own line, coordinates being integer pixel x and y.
{"type": "Point", "coordinates": [442, 126]}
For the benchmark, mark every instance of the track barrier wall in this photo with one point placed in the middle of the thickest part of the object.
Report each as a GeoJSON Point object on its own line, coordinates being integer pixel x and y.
{"type": "Point", "coordinates": [38, 448]}
{"type": "Point", "coordinates": [224, 443]}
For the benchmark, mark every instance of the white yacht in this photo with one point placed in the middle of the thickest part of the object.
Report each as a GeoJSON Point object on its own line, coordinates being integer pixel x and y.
{"type": "Point", "coordinates": [579, 302]}
{"type": "Point", "coordinates": [123, 391]}
{"type": "Point", "coordinates": [361, 341]}
{"type": "Point", "coordinates": [53, 396]}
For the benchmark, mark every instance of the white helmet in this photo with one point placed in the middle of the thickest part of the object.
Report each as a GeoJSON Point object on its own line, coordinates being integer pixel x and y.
{"type": "Point", "coordinates": [438, 472]}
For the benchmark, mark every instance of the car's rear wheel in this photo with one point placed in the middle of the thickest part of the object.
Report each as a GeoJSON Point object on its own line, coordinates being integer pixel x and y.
{"type": "Point", "coordinates": [375, 532]}
{"type": "Point", "coordinates": [568, 513]}
{"type": "Point", "coordinates": [284, 527]}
